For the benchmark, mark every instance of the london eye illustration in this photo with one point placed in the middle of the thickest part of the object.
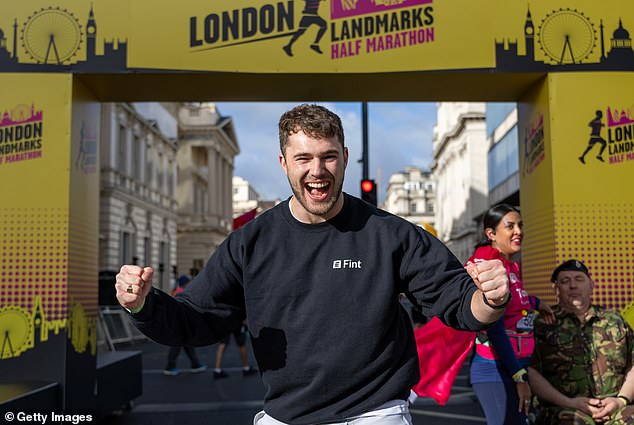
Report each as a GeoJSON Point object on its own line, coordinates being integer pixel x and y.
{"type": "Point", "coordinates": [567, 36]}
{"type": "Point", "coordinates": [52, 35]}
{"type": "Point", "coordinates": [21, 112]}
{"type": "Point", "coordinates": [15, 330]}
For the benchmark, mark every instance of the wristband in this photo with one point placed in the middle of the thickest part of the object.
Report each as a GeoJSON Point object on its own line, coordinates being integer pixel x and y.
{"type": "Point", "coordinates": [519, 376]}
{"type": "Point", "coordinates": [496, 307]}
{"type": "Point", "coordinates": [625, 399]}
{"type": "Point", "coordinates": [136, 310]}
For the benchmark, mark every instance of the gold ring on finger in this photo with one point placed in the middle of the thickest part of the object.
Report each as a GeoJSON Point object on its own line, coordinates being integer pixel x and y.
{"type": "Point", "coordinates": [129, 290]}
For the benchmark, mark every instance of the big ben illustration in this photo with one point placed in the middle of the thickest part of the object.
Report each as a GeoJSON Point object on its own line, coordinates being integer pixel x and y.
{"type": "Point", "coordinates": [529, 35]}
{"type": "Point", "coordinates": [91, 36]}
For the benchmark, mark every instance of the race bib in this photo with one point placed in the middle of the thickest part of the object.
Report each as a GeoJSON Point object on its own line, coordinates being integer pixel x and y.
{"type": "Point", "coordinates": [525, 324]}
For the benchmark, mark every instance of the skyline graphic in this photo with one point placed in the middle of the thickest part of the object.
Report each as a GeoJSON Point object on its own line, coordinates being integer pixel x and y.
{"type": "Point", "coordinates": [64, 41]}
{"type": "Point", "coordinates": [567, 39]}
{"type": "Point", "coordinates": [561, 40]}
{"type": "Point", "coordinates": [623, 117]}
{"type": "Point", "coordinates": [18, 116]}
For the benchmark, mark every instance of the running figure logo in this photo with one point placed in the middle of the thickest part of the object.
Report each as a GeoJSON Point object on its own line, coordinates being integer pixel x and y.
{"type": "Point", "coordinates": [309, 17]}
{"type": "Point", "coordinates": [595, 137]}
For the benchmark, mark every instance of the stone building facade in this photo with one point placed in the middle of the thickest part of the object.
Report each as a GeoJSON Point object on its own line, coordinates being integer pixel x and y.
{"type": "Point", "coordinates": [459, 168]}
{"type": "Point", "coordinates": [138, 206]}
{"type": "Point", "coordinates": [411, 194]}
{"type": "Point", "coordinates": [207, 148]}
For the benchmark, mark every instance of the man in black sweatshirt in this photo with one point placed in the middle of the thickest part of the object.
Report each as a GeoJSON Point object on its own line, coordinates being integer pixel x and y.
{"type": "Point", "coordinates": [318, 279]}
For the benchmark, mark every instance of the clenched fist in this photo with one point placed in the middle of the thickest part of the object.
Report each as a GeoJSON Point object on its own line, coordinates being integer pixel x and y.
{"type": "Point", "coordinates": [133, 284]}
{"type": "Point", "coordinates": [492, 279]}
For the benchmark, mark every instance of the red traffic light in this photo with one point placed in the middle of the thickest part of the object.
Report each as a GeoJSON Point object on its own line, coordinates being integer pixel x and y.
{"type": "Point", "coordinates": [367, 185]}
{"type": "Point", "coordinates": [368, 191]}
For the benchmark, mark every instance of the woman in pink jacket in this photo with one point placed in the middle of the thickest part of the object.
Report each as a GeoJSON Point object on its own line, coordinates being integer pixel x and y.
{"type": "Point", "coordinates": [498, 373]}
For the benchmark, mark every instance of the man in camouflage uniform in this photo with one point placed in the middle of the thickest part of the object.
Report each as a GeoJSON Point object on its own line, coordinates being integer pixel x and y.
{"type": "Point", "coordinates": [581, 370]}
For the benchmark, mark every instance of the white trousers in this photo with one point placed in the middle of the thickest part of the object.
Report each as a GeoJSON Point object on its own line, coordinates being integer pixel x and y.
{"type": "Point", "coordinates": [395, 412]}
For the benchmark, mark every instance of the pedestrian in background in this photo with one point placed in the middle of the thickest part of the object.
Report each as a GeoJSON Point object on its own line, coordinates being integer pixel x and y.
{"type": "Point", "coordinates": [581, 371]}
{"type": "Point", "coordinates": [174, 351]}
{"type": "Point", "coordinates": [498, 369]}
{"type": "Point", "coordinates": [240, 336]}
{"type": "Point", "coordinates": [318, 277]}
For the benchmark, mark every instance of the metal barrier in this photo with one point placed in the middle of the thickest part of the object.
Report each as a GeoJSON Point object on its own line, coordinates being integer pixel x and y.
{"type": "Point", "coordinates": [115, 327]}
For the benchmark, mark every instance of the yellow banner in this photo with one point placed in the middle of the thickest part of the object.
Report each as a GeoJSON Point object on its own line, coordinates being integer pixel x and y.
{"type": "Point", "coordinates": [34, 140]}
{"type": "Point", "coordinates": [576, 200]}
{"type": "Point", "coordinates": [593, 142]}
{"type": "Point", "coordinates": [34, 171]}
{"type": "Point", "coordinates": [536, 193]}
{"type": "Point", "coordinates": [316, 36]}
{"type": "Point", "coordinates": [310, 36]}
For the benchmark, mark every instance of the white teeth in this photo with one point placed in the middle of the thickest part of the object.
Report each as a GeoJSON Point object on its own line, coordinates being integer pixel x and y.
{"type": "Point", "coordinates": [316, 185]}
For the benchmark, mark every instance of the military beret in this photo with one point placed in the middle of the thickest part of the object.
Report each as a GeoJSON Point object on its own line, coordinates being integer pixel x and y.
{"type": "Point", "coordinates": [569, 265]}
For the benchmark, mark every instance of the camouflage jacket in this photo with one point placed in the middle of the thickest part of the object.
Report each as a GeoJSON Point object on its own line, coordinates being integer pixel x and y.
{"type": "Point", "coordinates": [584, 360]}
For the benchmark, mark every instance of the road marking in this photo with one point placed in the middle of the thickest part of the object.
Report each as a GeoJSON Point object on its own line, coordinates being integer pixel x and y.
{"type": "Point", "coordinates": [447, 415]}
{"type": "Point", "coordinates": [188, 370]}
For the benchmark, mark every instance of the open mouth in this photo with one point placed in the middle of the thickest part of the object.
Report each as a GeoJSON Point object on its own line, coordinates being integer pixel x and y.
{"type": "Point", "coordinates": [317, 191]}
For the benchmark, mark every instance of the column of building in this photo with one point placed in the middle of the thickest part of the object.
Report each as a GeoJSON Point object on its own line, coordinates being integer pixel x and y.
{"type": "Point", "coordinates": [212, 177]}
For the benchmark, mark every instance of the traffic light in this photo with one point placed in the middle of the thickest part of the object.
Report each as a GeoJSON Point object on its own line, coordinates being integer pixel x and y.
{"type": "Point", "coordinates": [368, 191]}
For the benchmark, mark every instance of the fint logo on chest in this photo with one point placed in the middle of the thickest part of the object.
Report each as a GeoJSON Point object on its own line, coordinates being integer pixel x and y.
{"type": "Point", "coordinates": [346, 264]}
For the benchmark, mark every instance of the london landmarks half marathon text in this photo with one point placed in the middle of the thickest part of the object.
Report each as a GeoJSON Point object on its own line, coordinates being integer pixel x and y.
{"type": "Point", "coordinates": [20, 142]}
{"type": "Point", "coordinates": [349, 37]}
{"type": "Point", "coordinates": [621, 143]}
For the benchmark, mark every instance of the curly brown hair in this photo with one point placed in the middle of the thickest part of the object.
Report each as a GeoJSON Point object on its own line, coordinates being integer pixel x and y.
{"type": "Point", "coordinates": [314, 120]}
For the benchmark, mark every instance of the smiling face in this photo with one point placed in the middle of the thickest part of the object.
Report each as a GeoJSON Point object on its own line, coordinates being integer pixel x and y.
{"type": "Point", "coordinates": [507, 235]}
{"type": "Point", "coordinates": [315, 170]}
{"type": "Point", "coordinates": [574, 289]}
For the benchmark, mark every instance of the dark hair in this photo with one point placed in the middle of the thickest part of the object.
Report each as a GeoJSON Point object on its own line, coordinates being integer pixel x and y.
{"type": "Point", "coordinates": [492, 218]}
{"type": "Point", "coordinates": [183, 280]}
{"type": "Point", "coordinates": [314, 120]}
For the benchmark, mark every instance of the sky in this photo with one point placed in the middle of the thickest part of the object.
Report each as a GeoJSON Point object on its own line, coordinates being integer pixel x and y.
{"type": "Point", "coordinates": [400, 134]}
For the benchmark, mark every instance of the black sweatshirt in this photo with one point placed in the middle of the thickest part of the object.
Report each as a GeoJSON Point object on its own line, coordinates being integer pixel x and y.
{"type": "Point", "coordinates": [329, 334]}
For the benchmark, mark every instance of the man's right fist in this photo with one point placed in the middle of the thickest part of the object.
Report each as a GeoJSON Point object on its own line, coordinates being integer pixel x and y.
{"type": "Point", "coordinates": [133, 284]}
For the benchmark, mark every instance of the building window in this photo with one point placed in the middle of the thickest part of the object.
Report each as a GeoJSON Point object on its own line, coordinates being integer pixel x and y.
{"type": "Point", "coordinates": [197, 266]}
{"type": "Point", "coordinates": [121, 149]}
{"type": "Point", "coordinates": [160, 176]}
{"type": "Point", "coordinates": [197, 199]}
{"type": "Point", "coordinates": [411, 186]}
{"type": "Point", "coordinates": [147, 251]}
{"type": "Point", "coordinates": [162, 254]}
{"type": "Point", "coordinates": [136, 157]}
{"type": "Point", "coordinates": [503, 159]}
{"type": "Point", "coordinates": [149, 161]}
{"type": "Point", "coordinates": [412, 208]}
{"type": "Point", "coordinates": [430, 208]}
{"type": "Point", "coordinates": [126, 248]}
{"type": "Point", "coordinates": [496, 113]}
{"type": "Point", "coordinates": [170, 180]}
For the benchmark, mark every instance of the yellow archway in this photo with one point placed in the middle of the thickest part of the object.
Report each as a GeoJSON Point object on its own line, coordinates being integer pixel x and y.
{"type": "Point", "coordinates": [562, 62]}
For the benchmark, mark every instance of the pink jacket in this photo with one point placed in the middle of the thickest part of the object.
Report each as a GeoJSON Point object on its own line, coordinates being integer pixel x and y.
{"type": "Point", "coordinates": [521, 303]}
